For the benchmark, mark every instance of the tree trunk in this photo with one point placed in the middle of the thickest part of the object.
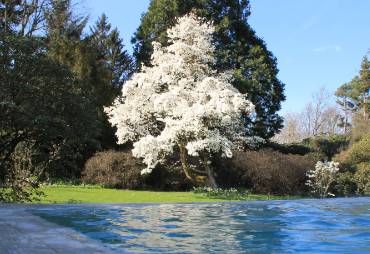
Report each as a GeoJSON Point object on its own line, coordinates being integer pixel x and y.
{"type": "Point", "coordinates": [365, 113]}
{"type": "Point", "coordinates": [211, 178]}
{"type": "Point", "coordinates": [185, 164]}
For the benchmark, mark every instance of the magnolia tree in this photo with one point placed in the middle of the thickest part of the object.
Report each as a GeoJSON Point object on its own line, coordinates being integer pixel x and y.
{"type": "Point", "coordinates": [180, 103]}
{"type": "Point", "coordinates": [320, 178]}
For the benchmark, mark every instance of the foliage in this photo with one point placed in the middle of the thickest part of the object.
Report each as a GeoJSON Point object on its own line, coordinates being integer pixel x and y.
{"type": "Point", "coordinates": [321, 178]}
{"type": "Point", "coordinates": [180, 102]}
{"type": "Point", "coordinates": [44, 106]}
{"type": "Point", "coordinates": [20, 184]}
{"type": "Point", "coordinates": [265, 171]}
{"type": "Point", "coordinates": [360, 151]}
{"type": "Point", "coordinates": [345, 184]}
{"type": "Point", "coordinates": [355, 161]}
{"type": "Point", "coordinates": [324, 147]}
{"type": "Point", "coordinates": [232, 194]}
{"type": "Point", "coordinates": [292, 148]}
{"type": "Point", "coordinates": [360, 127]}
{"type": "Point", "coordinates": [110, 52]}
{"type": "Point", "coordinates": [54, 83]}
{"type": "Point", "coordinates": [355, 155]}
{"type": "Point", "coordinates": [238, 49]}
{"type": "Point", "coordinates": [22, 18]}
{"type": "Point", "coordinates": [119, 169]}
{"type": "Point", "coordinates": [98, 60]}
{"type": "Point", "coordinates": [354, 95]}
{"type": "Point", "coordinates": [362, 178]}
{"type": "Point", "coordinates": [114, 169]}
{"type": "Point", "coordinates": [328, 145]}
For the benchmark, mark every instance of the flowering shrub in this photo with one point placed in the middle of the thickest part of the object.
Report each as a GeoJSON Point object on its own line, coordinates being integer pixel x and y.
{"type": "Point", "coordinates": [320, 178]}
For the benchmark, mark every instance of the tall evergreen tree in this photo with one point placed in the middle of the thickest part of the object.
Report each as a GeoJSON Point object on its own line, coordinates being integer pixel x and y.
{"type": "Point", "coordinates": [24, 17]}
{"type": "Point", "coordinates": [99, 59]}
{"type": "Point", "coordinates": [64, 37]}
{"type": "Point", "coordinates": [237, 48]}
{"type": "Point", "coordinates": [111, 52]}
{"type": "Point", "coordinates": [354, 95]}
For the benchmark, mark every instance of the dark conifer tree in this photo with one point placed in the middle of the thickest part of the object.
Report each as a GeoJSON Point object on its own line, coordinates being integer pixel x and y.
{"type": "Point", "coordinates": [111, 52]}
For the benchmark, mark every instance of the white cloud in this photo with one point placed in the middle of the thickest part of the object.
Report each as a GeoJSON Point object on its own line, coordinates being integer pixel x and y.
{"type": "Point", "coordinates": [335, 48]}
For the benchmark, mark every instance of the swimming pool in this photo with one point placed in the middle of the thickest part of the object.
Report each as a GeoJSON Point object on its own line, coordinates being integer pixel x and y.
{"type": "Point", "coordinates": [339, 225]}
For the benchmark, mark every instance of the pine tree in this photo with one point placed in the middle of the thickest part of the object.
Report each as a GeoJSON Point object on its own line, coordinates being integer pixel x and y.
{"type": "Point", "coordinates": [99, 60]}
{"type": "Point", "coordinates": [111, 52]}
{"type": "Point", "coordinates": [354, 95]}
{"type": "Point", "coordinates": [64, 37]}
{"type": "Point", "coordinates": [237, 48]}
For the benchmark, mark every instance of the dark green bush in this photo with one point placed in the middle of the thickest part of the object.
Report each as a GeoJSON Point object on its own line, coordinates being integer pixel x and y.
{"type": "Point", "coordinates": [360, 151]}
{"type": "Point", "coordinates": [355, 163]}
{"type": "Point", "coordinates": [358, 155]}
{"type": "Point", "coordinates": [265, 171]}
{"type": "Point", "coordinates": [289, 148]}
{"type": "Point", "coordinates": [345, 184]}
{"type": "Point", "coordinates": [328, 145]}
{"type": "Point", "coordinates": [362, 178]}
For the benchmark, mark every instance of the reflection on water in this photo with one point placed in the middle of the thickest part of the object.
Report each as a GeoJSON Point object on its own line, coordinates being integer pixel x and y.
{"type": "Point", "coordinates": [313, 226]}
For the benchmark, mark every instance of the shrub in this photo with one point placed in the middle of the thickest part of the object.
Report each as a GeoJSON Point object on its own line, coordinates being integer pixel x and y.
{"type": "Point", "coordinates": [321, 177]}
{"type": "Point", "coordinates": [289, 148]}
{"type": "Point", "coordinates": [357, 154]}
{"type": "Point", "coordinates": [265, 171]}
{"type": "Point", "coordinates": [361, 126]}
{"type": "Point", "coordinates": [328, 145]}
{"type": "Point", "coordinates": [231, 194]}
{"type": "Point", "coordinates": [114, 169]}
{"type": "Point", "coordinates": [119, 169]}
{"type": "Point", "coordinates": [345, 185]}
{"type": "Point", "coordinates": [362, 178]}
{"type": "Point", "coordinates": [360, 151]}
{"type": "Point", "coordinates": [21, 181]}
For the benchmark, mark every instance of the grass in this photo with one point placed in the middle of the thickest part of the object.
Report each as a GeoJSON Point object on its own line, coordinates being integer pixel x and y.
{"type": "Point", "coordinates": [60, 194]}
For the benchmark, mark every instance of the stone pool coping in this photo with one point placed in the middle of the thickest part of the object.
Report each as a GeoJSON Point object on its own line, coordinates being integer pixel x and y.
{"type": "Point", "coordinates": [21, 232]}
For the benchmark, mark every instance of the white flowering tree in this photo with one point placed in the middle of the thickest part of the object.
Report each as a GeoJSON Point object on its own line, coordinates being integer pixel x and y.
{"type": "Point", "coordinates": [180, 103]}
{"type": "Point", "coordinates": [320, 178]}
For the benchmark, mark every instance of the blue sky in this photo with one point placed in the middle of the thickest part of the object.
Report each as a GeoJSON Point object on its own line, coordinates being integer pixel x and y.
{"type": "Point", "coordinates": [316, 42]}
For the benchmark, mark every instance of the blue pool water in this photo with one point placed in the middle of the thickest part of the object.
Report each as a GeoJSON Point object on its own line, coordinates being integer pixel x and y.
{"type": "Point", "coordinates": [311, 226]}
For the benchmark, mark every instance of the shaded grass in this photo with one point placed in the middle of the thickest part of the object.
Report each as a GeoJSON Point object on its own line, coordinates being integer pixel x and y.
{"type": "Point", "coordinates": [94, 194]}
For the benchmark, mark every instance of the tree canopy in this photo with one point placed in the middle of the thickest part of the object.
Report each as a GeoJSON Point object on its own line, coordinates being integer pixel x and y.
{"type": "Point", "coordinates": [238, 48]}
{"type": "Point", "coordinates": [354, 95]}
{"type": "Point", "coordinates": [54, 82]}
{"type": "Point", "coordinates": [181, 102]}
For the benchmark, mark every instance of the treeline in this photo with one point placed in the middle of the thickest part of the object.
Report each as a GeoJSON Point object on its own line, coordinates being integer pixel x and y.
{"type": "Point", "coordinates": [57, 75]}
{"type": "Point", "coordinates": [55, 79]}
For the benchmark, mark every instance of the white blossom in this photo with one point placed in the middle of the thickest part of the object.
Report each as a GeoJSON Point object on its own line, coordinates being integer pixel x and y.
{"type": "Point", "coordinates": [180, 99]}
{"type": "Point", "coordinates": [320, 178]}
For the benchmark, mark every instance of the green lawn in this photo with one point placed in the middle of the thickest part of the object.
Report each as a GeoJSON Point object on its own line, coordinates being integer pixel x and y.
{"type": "Point", "coordinates": [92, 194]}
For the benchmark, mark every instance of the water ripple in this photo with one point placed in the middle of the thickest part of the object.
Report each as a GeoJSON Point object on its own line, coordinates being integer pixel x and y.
{"type": "Point", "coordinates": [313, 226]}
